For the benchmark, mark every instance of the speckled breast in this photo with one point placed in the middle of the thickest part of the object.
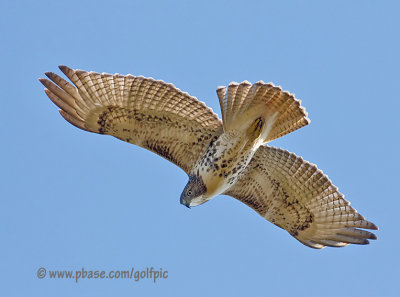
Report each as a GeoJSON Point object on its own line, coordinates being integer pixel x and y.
{"type": "Point", "coordinates": [224, 161]}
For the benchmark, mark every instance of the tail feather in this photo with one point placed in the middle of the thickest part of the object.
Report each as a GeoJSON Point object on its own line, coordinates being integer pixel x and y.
{"type": "Point", "coordinates": [242, 103]}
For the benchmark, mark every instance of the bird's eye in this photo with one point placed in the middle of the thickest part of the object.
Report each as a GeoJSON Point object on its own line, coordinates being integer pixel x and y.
{"type": "Point", "coordinates": [189, 193]}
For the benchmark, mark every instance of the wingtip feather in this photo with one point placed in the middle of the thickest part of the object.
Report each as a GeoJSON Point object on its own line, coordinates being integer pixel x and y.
{"type": "Point", "coordinates": [64, 68]}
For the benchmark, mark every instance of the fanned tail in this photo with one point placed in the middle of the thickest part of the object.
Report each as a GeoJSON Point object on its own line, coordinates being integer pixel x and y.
{"type": "Point", "coordinates": [242, 104]}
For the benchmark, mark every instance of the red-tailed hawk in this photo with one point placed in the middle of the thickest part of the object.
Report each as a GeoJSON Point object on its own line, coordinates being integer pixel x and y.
{"type": "Point", "coordinates": [220, 157]}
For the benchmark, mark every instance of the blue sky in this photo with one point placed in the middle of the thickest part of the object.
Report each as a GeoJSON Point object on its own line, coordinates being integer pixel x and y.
{"type": "Point", "coordinates": [72, 199]}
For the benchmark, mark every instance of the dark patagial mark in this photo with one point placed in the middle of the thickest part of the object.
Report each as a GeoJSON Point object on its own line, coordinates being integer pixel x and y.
{"type": "Point", "coordinates": [249, 200]}
{"type": "Point", "coordinates": [162, 150]}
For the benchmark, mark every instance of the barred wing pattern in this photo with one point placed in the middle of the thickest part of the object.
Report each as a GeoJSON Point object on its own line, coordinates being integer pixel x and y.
{"type": "Point", "coordinates": [282, 187]}
{"type": "Point", "coordinates": [142, 111]}
{"type": "Point", "coordinates": [296, 196]}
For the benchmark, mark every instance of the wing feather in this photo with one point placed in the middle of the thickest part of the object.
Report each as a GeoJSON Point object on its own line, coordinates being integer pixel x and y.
{"type": "Point", "coordinates": [298, 197]}
{"type": "Point", "coordinates": [143, 111]}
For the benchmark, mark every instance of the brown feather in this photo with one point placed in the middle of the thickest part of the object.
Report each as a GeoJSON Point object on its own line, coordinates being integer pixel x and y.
{"type": "Point", "coordinates": [143, 111]}
{"type": "Point", "coordinates": [296, 196]}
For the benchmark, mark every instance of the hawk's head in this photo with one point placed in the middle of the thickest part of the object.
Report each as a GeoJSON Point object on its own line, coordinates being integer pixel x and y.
{"type": "Point", "coordinates": [193, 192]}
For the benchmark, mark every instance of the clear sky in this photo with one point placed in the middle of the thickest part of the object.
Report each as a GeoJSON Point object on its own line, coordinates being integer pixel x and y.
{"type": "Point", "coordinates": [72, 199]}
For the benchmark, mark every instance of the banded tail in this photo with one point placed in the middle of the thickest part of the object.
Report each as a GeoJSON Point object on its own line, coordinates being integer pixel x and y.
{"type": "Point", "coordinates": [242, 104]}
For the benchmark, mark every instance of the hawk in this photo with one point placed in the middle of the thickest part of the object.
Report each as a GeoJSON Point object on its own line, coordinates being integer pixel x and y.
{"type": "Point", "coordinates": [227, 156]}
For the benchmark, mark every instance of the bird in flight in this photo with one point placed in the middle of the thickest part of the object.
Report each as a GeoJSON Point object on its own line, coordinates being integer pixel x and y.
{"type": "Point", "coordinates": [227, 156]}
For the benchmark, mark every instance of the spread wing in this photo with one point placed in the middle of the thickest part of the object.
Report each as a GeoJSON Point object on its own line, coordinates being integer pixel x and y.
{"type": "Point", "coordinates": [142, 111]}
{"type": "Point", "coordinates": [296, 196]}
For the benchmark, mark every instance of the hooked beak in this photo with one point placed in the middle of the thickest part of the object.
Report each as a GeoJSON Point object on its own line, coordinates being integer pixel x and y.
{"type": "Point", "coordinates": [184, 202]}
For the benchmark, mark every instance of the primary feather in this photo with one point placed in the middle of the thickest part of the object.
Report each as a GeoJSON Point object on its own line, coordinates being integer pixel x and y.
{"type": "Point", "coordinates": [142, 111]}
{"type": "Point", "coordinates": [222, 155]}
